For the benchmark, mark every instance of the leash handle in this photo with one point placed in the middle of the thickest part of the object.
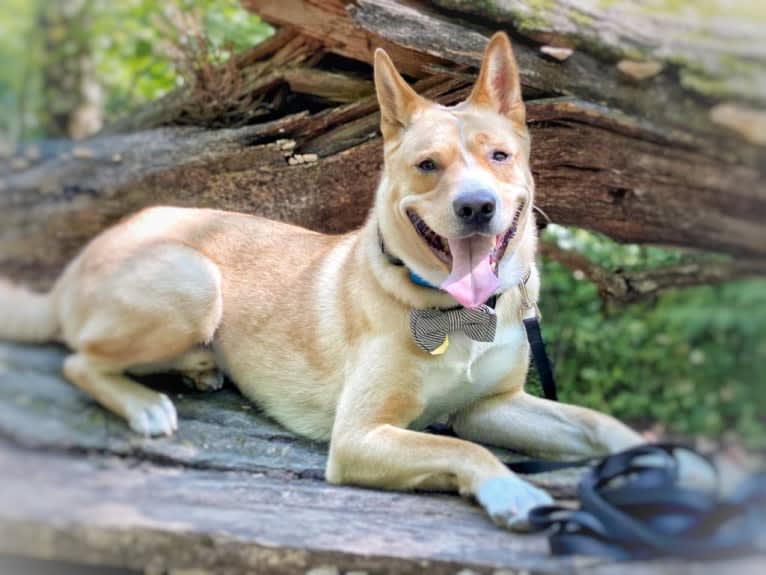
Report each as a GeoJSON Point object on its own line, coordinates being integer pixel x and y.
{"type": "Point", "coordinates": [632, 507]}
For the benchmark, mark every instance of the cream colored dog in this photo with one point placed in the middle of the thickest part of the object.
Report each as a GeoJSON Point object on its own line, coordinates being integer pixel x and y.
{"type": "Point", "coordinates": [315, 328]}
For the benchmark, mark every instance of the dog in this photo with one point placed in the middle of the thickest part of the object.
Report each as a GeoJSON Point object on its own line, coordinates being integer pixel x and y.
{"type": "Point", "coordinates": [321, 331]}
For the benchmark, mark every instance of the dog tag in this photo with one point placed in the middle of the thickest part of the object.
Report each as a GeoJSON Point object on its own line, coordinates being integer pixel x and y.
{"type": "Point", "coordinates": [442, 348]}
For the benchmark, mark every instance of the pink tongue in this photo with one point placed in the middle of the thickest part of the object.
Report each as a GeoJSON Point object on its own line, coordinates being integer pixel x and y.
{"type": "Point", "coordinates": [471, 281]}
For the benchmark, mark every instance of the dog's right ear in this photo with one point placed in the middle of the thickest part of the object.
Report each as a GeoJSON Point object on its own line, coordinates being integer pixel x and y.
{"type": "Point", "coordinates": [398, 102]}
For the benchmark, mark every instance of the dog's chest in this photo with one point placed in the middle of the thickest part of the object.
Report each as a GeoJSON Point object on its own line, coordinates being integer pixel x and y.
{"type": "Point", "coordinates": [468, 371]}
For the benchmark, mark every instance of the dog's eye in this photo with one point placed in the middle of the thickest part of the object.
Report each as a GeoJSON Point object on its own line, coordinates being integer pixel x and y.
{"type": "Point", "coordinates": [427, 165]}
{"type": "Point", "coordinates": [499, 156]}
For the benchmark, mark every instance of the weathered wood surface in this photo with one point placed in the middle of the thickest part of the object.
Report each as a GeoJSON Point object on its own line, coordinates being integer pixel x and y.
{"type": "Point", "coordinates": [221, 431]}
{"type": "Point", "coordinates": [716, 45]}
{"type": "Point", "coordinates": [600, 171]}
{"type": "Point", "coordinates": [231, 493]}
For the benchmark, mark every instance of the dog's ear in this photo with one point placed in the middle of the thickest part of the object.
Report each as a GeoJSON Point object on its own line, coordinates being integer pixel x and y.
{"type": "Point", "coordinates": [498, 85]}
{"type": "Point", "coordinates": [398, 102]}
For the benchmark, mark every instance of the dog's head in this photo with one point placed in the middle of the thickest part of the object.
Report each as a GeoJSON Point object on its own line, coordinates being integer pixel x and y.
{"type": "Point", "coordinates": [456, 193]}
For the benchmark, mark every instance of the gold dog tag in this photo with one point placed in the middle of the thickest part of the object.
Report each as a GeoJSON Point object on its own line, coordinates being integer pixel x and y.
{"type": "Point", "coordinates": [442, 348]}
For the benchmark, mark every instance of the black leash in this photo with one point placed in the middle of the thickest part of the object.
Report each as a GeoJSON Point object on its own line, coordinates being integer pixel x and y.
{"type": "Point", "coordinates": [632, 507]}
{"type": "Point", "coordinates": [540, 357]}
{"type": "Point", "coordinates": [530, 316]}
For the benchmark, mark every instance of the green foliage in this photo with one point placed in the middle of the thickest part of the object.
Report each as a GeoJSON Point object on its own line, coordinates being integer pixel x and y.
{"type": "Point", "coordinates": [132, 43]}
{"type": "Point", "coordinates": [693, 360]}
{"type": "Point", "coordinates": [20, 56]}
{"type": "Point", "coordinates": [135, 43]}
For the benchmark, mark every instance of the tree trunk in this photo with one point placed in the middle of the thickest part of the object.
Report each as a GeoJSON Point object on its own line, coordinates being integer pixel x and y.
{"type": "Point", "coordinates": [72, 100]}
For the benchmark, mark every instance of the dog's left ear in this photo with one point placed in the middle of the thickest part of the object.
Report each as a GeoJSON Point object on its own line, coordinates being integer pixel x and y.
{"type": "Point", "coordinates": [399, 103]}
{"type": "Point", "coordinates": [498, 85]}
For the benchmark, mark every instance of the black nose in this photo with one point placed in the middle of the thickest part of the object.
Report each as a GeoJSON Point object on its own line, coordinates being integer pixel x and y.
{"type": "Point", "coordinates": [475, 208]}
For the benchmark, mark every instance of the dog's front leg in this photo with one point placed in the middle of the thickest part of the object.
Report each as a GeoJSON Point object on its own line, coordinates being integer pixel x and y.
{"type": "Point", "coordinates": [517, 420]}
{"type": "Point", "coordinates": [371, 447]}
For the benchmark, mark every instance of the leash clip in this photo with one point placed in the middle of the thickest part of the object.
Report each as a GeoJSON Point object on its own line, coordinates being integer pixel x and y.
{"type": "Point", "coordinates": [529, 307]}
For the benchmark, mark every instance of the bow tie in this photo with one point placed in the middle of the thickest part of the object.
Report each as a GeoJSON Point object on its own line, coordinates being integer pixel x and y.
{"type": "Point", "coordinates": [430, 327]}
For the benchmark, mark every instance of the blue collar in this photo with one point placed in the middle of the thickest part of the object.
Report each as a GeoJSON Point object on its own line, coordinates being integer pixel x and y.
{"type": "Point", "coordinates": [417, 280]}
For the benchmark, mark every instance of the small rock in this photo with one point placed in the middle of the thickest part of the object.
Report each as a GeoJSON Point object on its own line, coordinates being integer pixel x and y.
{"type": "Point", "coordinates": [18, 164]}
{"type": "Point", "coordinates": [323, 570]}
{"type": "Point", "coordinates": [82, 152]}
{"type": "Point", "coordinates": [639, 70]}
{"type": "Point", "coordinates": [559, 54]}
{"type": "Point", "coordinates": [285, 145]}
{"type": "Point", "coordinates": [748, 122]}
{"type": "Point", "coordinates": [116, 158]}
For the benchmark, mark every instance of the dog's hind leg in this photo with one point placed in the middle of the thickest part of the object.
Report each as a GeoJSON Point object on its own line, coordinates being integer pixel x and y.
{"type": "Point", "coordinates": [154, 308]}
{"type": "Point", "coordinates": [197, 367]}
{"type": "Point", "coordinates": [198, 370]}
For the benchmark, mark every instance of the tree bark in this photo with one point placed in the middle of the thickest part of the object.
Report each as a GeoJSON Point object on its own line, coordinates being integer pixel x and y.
{"type": "Point", "coordinates": [421, 39]}
{"type": "Point", "coordinates": [600, 175]}
{"type": "Point", "coordinates": [701, 40]}
{"type": "Point", "coordinates": [624, 175]}
{"type": "Point", "coordinates": [621, 287]}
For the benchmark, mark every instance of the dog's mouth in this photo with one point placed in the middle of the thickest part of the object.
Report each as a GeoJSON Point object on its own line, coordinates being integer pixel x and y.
{"type": "Point", "coordinates": [440, 245]}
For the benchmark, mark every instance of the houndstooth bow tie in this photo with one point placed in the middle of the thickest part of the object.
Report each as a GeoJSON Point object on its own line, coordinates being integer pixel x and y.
{"type": "Point", "coordinates": [430, 327]}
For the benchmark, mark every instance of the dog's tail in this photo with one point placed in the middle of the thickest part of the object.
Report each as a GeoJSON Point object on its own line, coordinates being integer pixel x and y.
{"type": "Point", "coordinates": [26, 316]}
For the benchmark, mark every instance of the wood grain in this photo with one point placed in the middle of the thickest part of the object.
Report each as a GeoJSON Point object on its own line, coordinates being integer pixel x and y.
{"type": "Point", "coordinates": [594, 169]}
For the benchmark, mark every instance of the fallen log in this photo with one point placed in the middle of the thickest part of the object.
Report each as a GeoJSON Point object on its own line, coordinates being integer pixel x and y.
{"type": "Point", "coordinates": [431, 37]}
{"type": "Point", "coordinates": [593, 170]}
{"type": "Point", "coordinates": [702, 40]}
{"type": "Point", "coordinates": [622, 175]}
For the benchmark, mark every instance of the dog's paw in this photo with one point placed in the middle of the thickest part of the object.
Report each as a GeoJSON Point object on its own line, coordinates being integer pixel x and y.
{"type": "Point", "coordinates": [153, 414]}
{"type": "Point", "coordinates": [208, 380]}
{"type": "Point", "coordinates": [509, 499]}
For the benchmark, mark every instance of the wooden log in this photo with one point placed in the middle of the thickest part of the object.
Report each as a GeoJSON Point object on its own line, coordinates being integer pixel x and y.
{"type": "Point", "coordinates": [431, 37]}
{"type": "Point", "coordinates": [234, 93]}
{"type": "Point", "coordinates": [716, 47]}
{"type": "Point", "coordinates": [220, 431]}
{"type": "Point", "coordinates": [151, 518]}
{"type": "Point", "coordinates": [231, 492]}
{"type": "Point", "coordinates": [593, 169]}
{"type": "Point", "coordinates": [328, 23]}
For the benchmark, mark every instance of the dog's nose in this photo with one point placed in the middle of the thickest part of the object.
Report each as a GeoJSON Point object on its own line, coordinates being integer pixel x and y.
{"type": "Point", "coordinates": [475, 208]}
